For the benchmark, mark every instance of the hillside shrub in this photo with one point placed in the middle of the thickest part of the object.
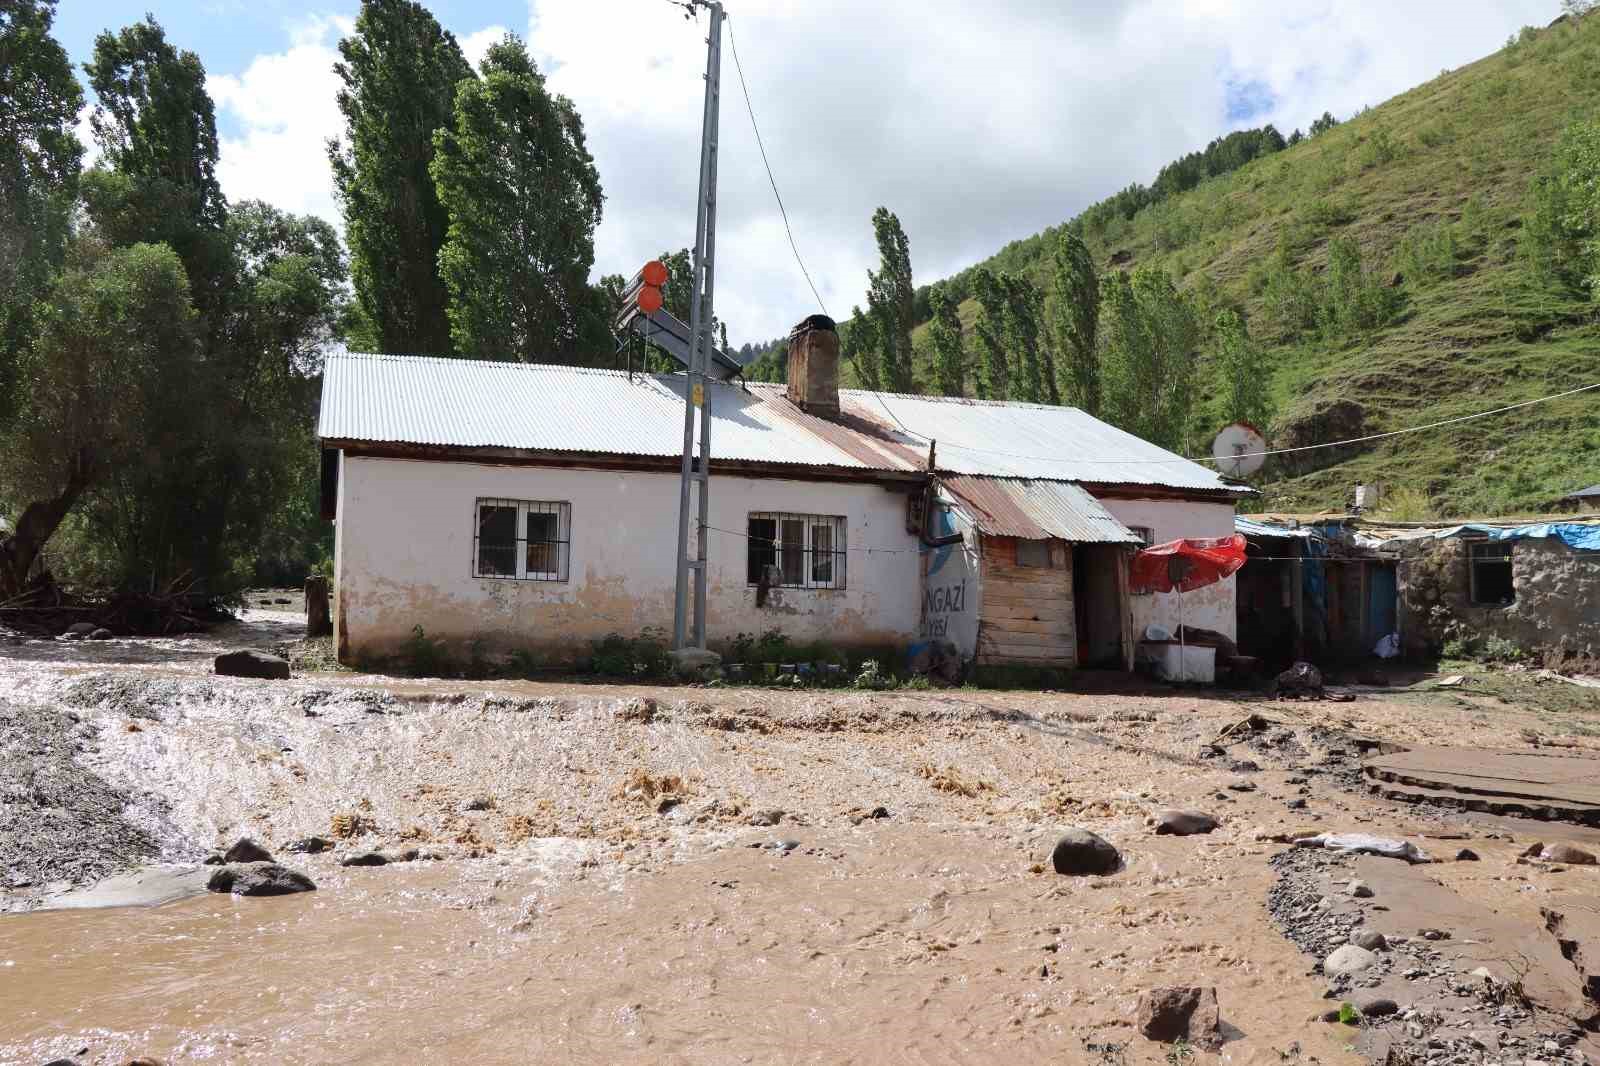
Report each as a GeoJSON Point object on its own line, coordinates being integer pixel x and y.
{"type": "Point", "coordinates": [1561, 230]}
{"type": "Point", "coordinates": [1354, 300]}
{"type": "Point", "coordinates": [1428, 254]}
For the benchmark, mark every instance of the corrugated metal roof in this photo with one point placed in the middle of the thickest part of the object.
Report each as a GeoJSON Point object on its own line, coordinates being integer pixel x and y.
{"type": "Point", "coordinates": [1036, 510]}
{"type": "Point", "coordinates": [1592, 490]}
{"type": "Point", "coordinates": [539, 407]}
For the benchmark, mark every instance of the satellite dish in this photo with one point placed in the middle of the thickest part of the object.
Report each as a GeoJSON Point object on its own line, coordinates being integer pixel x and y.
{"type": "Point", "coordinates": [1238, 449]}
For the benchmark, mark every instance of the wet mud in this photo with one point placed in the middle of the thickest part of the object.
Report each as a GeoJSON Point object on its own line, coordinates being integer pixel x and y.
{"type": "Point", "coordinates": [615, 874]}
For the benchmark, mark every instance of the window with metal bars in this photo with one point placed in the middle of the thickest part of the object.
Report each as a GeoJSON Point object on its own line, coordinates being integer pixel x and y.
{"type": "Point", "coordinates": [522, 539]}
{"type": "Point", "coordinates": [802, 551]}
{"type": "Point", "coordinates": [1492, 583]}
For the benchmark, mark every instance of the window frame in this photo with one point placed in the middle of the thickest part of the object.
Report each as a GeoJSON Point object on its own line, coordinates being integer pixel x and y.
{"type": "Point", "coordinates": [527, 511]}
{"type": "Point", "coordinates": [797, 562]}
{"type": "Point", "coordinates": [1146, 535]}
{"type": "Point", "coordinates": [1485, 552]}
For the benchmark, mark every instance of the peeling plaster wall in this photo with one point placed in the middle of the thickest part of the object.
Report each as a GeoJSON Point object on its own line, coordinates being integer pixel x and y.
{"type": "Point", "coordinates": [1212, 607]}
{"type": "Point", "coordinates": [404, 558]}
{"type": "Point", "coordinates": [1557, 597]}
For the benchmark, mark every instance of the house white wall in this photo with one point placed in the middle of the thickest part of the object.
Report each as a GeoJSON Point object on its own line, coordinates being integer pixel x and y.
{"type": "Point", "coordinates": [1212, 607]}
{"type": "Point", "coordinates": [404, 557]}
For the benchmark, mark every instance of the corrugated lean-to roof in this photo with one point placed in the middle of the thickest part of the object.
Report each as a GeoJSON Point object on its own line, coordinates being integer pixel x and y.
{"type": "Point", "coordinates": [1037, 510]}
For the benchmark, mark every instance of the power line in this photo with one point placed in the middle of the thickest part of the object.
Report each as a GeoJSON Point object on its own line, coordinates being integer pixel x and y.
{"type": "Point", "coordinates": [1271, 451]}
{"type": "Point", "coordinates": [770, 179]}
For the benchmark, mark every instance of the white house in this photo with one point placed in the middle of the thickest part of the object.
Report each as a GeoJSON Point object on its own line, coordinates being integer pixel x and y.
{"type": "Point", "coordinates": [534, 507]}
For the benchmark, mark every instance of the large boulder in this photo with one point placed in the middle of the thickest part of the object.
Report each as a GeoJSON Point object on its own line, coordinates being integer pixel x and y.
{"type": "Point", "coordinates": [259, 879]}
{"type": "Point", "coordinates": [1348, 960]}
{"type": "Point", "coordinates": [1183, 823]}
{"type": "Point", "coordinates": [1081, 852]}
{"type": "Point", "coordinates": [252, 663]}
{"type": "Point", "coordinates": [246, 850]}
{"type": "Point", "coordinates": [1568, 854]}
{"type": "Point", "coordinates": [1181, 1013]}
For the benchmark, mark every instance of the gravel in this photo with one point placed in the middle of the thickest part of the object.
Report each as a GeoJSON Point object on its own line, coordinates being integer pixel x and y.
{"type": "Point", "coordinates": [63, 823]}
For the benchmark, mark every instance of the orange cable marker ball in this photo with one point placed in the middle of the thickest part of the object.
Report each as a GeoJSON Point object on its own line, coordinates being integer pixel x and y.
{"type": "Point", "coordinates": [655, 273]}
{"type": "Point", "coordinates": [649, 299]}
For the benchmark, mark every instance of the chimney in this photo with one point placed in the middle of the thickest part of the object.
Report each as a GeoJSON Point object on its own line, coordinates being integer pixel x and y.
{"type": "Point", "coordinates": [814, 366]}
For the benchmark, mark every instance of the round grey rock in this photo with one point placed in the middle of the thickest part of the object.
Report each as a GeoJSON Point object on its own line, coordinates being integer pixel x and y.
{"type": "Point", "coordinates": [1079, 853]}
{"type": "Point", "coordinates": [1348, 961]}
{"type": "Point", "coordinates": [1184, 823]}
{"type": "Point", "coordinates": [1371, 940]}
{"type": "Point", "coordinates": [1360, 890]}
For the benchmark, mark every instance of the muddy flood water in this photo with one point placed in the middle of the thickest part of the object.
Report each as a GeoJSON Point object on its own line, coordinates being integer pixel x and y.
{"type": "Point", "coordinates": [595, 881]}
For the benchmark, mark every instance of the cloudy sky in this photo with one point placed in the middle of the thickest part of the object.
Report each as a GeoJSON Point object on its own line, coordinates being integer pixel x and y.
{"type": "Point", "coordinates": [977, 121]}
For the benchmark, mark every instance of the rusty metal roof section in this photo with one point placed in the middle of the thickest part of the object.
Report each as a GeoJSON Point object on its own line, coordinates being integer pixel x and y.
{"type": "Point", "coordinates": [1037, 510]}
{"type": "Point", "coordinates": [464, 403]}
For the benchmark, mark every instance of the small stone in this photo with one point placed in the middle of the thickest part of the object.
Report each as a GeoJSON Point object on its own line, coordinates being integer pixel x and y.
{"type": "Point", "coordinates": [1296, 805]}
{"type": "Point", "coordinates": [1372, 940]}
{"type": "Point", "coordinates": [251, 663]}
{"type": "Point", "coordinates": [784, 846]}
{"type": "Point", "coordinates": [259, 879]}
{"type": "Point", "coordinates": [1189, 1014]}
{"type": "Point", "coordinates": [1080, 852]}
{"type": "Point", "coordinates": [1184, 823]}
{"type": "Point", "coordinates": [102, 634]}
{"type": "Point", "coordinates": [1244, 766]}
{"type": "Point", "coordinates": [1532, 850]}
{"type": "Point", "coordinates": [1242, 786]}
{"type": "Point", "coordinates": [79, 629]}
{"type": "Point", "coordinates": [1360, 890]}
{"type": "Point", "coordinates": [1433, 934]}
{"type": "Point", "coordinates": [246, 850]}
{"type": "Point", "coordinates": [308, 846]}
{"type": "Point", "coordinates": [1348, 961]}
{"type": "Point", "coordinates": [772, 817]}
{"type": "Point", "coordinates": [878, 812]}
{"type": "Point", "coordinates": [1372, 1005]}
{"type": "Point", "coordinates": [366, 858]}
{"type": "Point", "coordinates": [1466, 855]}
{"type": "Point", "coordinates": [479, 803]}
{"type": "Point", "coordinates": [211, 860]}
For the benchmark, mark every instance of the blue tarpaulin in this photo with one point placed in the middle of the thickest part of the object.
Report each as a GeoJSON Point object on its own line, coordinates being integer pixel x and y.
{"type": "Point", "coordinates": [1580, 536]}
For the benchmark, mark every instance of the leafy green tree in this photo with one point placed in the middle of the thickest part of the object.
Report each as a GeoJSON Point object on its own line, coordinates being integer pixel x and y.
{"type": "Point", "coordinates": [157, 131]}
{"type": "Point", "coordinates": [1074, 313]}
{"type": "Point", "coordinates": [994, 383]}
{"type": "Point", "coordinates": [39, 162]}
{"type": "Point", "coordinates": [399, 71]}
{"type": "Point", "coordinates": [1033, 378]}
{"type": "Point", "coordinates": [1323, 124]}
{"type": "Point", "coordinates": [1149, 337]}
{"type": "Point", "coordinates": [516, 180]}
{"type": "Point", "coordinates": [1561, 233]}
{"type": "Point", "coordinates": [1288, 294]}
{"type": "Point", "coordinates": [1242, 370]}
{"type": "Point", "coordinates": [949, 353]}
{"type": "Point", "coordinates": [859, 346]}
{"type": "Point", "coordinates": [1354, 299]}
{"type": "Point", "coordinates": [891, 300]}
{"type": "Point", "coordinates": [116, 330]}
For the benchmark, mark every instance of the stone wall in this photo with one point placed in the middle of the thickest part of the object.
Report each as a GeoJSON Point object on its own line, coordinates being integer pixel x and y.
{"type": "Point", "coordinates": [1557, 597]}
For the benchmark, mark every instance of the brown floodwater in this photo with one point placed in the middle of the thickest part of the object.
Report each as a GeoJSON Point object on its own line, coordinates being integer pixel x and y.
{"type": "Point", "coordinates": [572, 916]}
{"type": "Point", "coordinates": [917, 944]}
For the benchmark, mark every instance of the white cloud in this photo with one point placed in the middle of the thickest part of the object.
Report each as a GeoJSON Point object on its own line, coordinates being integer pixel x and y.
{"type": "Point", "coordinates": [475, 45]}
{"type": "Point", "coordinates": [977, 124]}
{"type": "Point", "coordinates": [283, 106]}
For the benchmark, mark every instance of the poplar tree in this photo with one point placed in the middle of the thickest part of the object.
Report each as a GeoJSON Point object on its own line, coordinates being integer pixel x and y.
{"type": "Point", "coordinates": [859, 346]}
{"type": "Point", "coordinates": [949, 353]}
{"type": "Point", "coordinates": [39, 162]}
{"type": "Point", "coordinates": [516, 180]}
{"type": "Point", "coordinates": [994, 381]}
{"type": "Point", "coordinates": [1074, 311]}
{"type": "Point", "coordinates": [1242, 368]}
{"type": "Point", "coordinates": [891, 299]}
{"type": "Point", "coordinates": [399, 72]}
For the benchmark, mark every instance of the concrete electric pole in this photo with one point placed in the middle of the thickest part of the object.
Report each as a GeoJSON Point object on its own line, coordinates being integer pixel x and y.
{"type": "Point", "coordinates": [697, 469]}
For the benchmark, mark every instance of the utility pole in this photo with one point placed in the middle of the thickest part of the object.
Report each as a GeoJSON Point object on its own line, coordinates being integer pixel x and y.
{"type": "Point", "coordinates": [697, 468]}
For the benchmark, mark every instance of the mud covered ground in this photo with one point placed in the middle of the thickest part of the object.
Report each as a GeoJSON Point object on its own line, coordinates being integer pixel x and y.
{"type": "Point", "coordinates": [613, 874]}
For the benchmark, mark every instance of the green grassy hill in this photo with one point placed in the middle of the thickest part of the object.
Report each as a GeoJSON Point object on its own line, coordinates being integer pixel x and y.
{"type": "Point", "coordinates": [1433, 186]}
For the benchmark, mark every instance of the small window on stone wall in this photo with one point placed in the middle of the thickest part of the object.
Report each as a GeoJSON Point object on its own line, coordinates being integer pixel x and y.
{"type": "Point", "coordinates": [1490, 562]}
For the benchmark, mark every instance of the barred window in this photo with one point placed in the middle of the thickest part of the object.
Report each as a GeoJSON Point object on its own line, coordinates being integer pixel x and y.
{"type": "Point", "coordinates": [1492, 584]}
{"type": "Point", "coordinates": [521, 539]}
{"type": "Point", "coordinates": [803, 551]}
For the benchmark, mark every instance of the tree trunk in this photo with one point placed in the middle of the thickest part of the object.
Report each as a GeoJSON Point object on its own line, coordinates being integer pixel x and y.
{"type": "Point", "coordinates": [319, 621]}
{"type": "Point", "coordinates": [34, 528]}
